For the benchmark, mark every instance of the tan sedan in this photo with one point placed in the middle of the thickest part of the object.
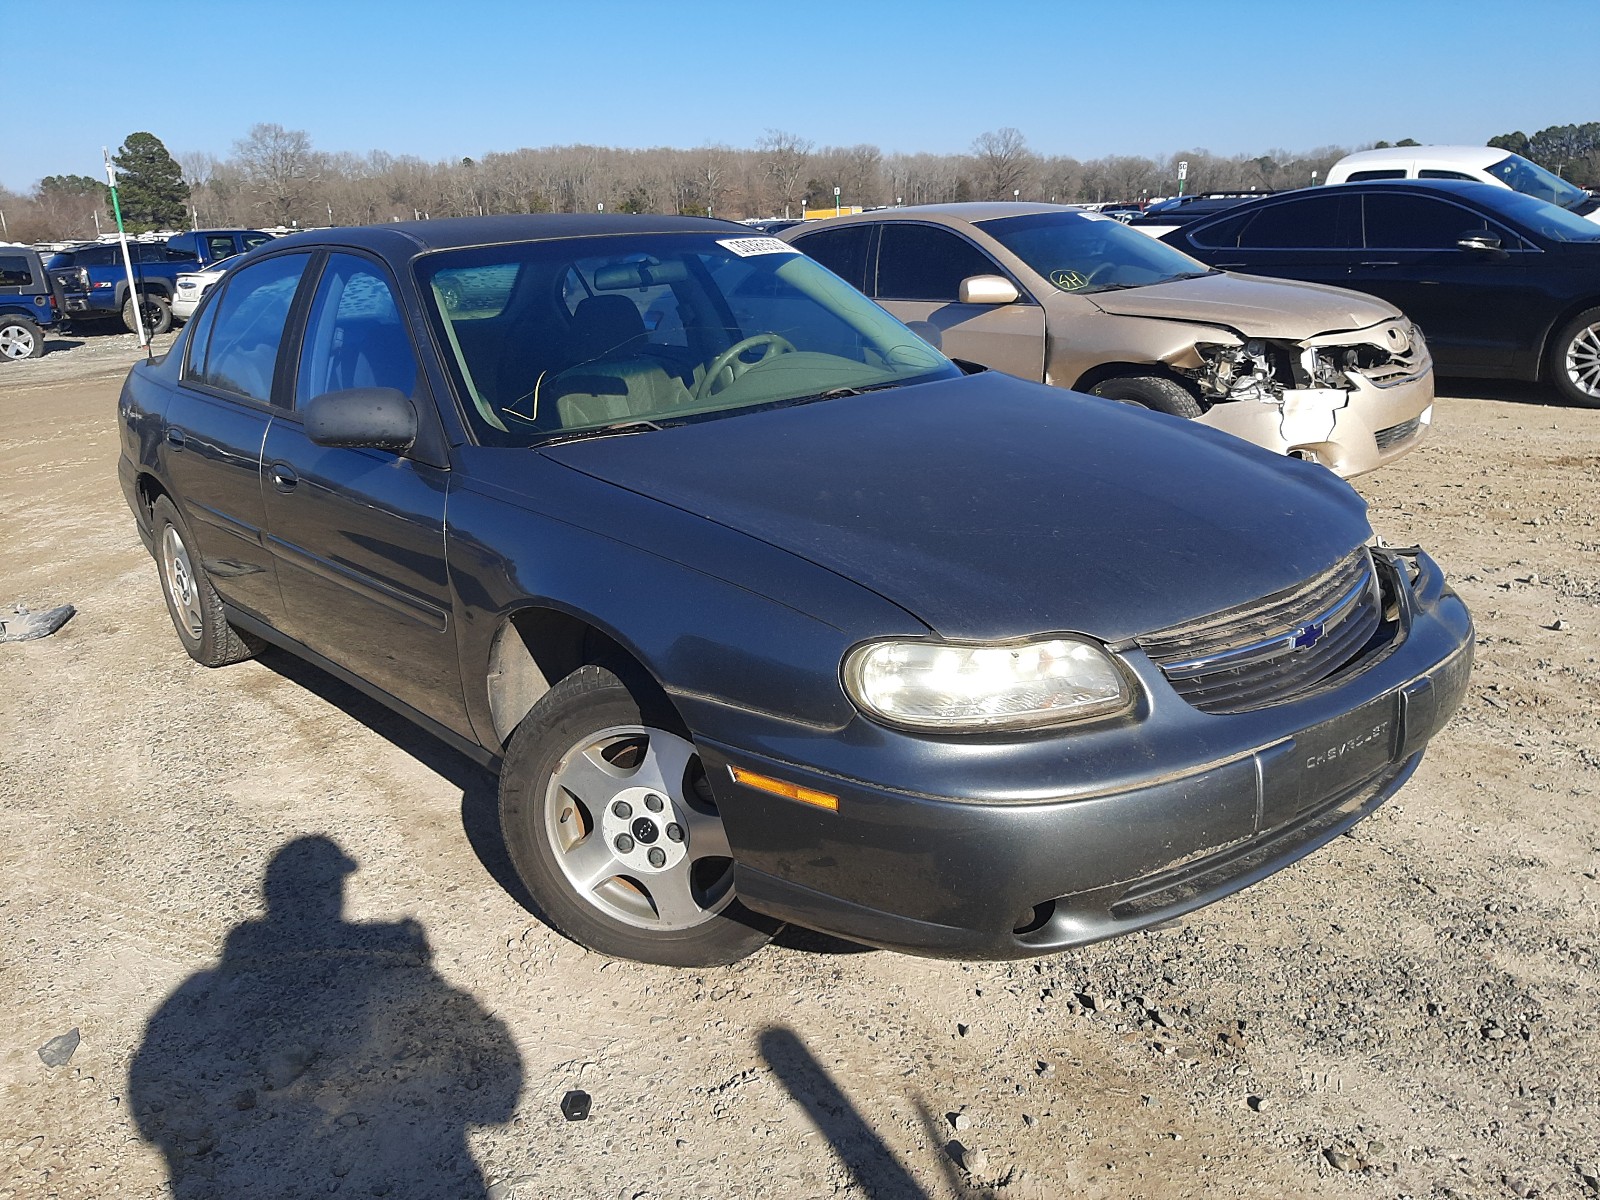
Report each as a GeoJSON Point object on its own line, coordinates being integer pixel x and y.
{"type": "Point", "coordinates": [1081, 301]}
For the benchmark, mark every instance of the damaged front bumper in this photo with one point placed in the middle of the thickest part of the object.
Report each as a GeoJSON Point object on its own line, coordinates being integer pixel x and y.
{"type": "Point", "coordinates": [1351, 420]}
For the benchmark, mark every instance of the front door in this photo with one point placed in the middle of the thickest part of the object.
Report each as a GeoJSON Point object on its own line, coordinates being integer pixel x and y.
{"type": "Point", "coordinates": [918, 279]}
{"type": "Point", "coordinates": [358, 534]}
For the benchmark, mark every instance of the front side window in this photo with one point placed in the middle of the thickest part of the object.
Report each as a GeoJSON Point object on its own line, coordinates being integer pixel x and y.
{"type": "Point", "coordinates": [241, 354]}
{"type": "Point", "coordinates": [1402, 222]}
{"type": "Point", "coordinates": [550, 339]}
{"type": "Point", "coordinates": [354, 336]}
{"type": "Point", "coordinates": [1088, 252]}
{"type": "Point", "coordinates": [921, 262]}
{"type": "Point", "coordinates": [251, 240]}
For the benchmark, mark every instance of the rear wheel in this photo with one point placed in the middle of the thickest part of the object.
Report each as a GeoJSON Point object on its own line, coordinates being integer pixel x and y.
{"type": "Point", "coordinates": [612, 827]}
{"type": "Point", "coordinates": [192, 602]}
{"type": "Point", "coordinates": [1150, 391]}
{"type": "Point", "coordinates": [157, 315]}
{"type": "Point", "coordinates": [19, 337]}
{"type": "Point", "coordinates": [1575, 359]}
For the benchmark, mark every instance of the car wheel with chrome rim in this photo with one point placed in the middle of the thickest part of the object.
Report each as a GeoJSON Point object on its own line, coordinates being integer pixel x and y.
{"type": "Point", "coordinates": [1575, 359]}
{"type": "Point", "coordinates": [612, 827]}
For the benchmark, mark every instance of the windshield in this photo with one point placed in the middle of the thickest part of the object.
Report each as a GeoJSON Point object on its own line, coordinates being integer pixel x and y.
{"type": "Point", "coordinates": [556, 337]}
{"type": "Point", "coordinates": [1088, 252]}
{"type": "Point", "coordinates": [1520, 175]}
{"type": "Point", "coordinates": [1547, 220]}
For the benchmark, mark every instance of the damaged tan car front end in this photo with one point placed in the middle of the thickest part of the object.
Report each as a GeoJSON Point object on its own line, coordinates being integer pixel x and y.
{"type": "Point", "coordinates": [1351, 400]}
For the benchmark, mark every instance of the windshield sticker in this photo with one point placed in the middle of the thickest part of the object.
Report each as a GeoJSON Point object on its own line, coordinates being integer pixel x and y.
{"type": "Point", "coordinates": [1069, 281]}
{"type": "Point", "coordinates": [748, 247]}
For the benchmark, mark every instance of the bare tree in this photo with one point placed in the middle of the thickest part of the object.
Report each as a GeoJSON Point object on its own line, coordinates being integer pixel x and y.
{"type": "Point", "coordinates": [1003, 162]}
{"type": "Point", "coordinates": [783, 159]}
{"type": "Point", "coordinates": [278, 166]}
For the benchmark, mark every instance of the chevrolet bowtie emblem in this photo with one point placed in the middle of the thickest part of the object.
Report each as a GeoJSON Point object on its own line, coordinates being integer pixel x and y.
{"type": "Point", "coordinates": [1308, 636]}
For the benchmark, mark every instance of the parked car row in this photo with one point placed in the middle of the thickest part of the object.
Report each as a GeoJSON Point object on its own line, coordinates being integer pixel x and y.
{"type": "Point", "coordinates": [766, 610]}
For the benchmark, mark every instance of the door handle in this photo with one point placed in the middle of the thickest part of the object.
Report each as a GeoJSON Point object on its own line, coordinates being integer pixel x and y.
{"type": "Point", "coordinates": [283, 478]}
{"type": "Point", "coordinates": [176, 438]}
{"type": "Point", "coordinates": [1378, 264]}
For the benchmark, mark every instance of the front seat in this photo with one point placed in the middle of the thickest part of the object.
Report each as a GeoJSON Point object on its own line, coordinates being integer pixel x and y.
{"type": "Point", "coordinates": [607, 380]}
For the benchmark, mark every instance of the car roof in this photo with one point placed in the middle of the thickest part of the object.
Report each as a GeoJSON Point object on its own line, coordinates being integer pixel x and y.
{"type": "Point", "coordinates": [405, 239]}
{"type": "Point", "coordinates": [1464, 156]}
{"type": "Point", "coordinates": [969, 213]}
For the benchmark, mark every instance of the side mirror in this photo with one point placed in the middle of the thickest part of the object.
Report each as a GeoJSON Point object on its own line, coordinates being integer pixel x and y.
{"type": "Point", "coordinates": [1480, 240]}
{"type": "Point", "coordinates": [988, 289]}
{"type": "Point", "coordinates": [375, 418]}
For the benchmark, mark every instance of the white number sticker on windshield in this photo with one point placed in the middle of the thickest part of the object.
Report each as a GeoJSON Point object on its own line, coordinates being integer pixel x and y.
{"type": "Point", "coordinates": [748, 247]}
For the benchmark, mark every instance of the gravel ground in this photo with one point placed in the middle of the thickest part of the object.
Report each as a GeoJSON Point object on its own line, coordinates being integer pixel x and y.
{"type": "Point", "coordinates": [280, 927]}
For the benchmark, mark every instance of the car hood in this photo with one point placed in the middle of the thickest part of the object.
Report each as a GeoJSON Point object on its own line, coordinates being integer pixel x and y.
{"type": "Point", "coordinates": [989, 507]}
{"type": "Point", "coordinates": [1251, 305]}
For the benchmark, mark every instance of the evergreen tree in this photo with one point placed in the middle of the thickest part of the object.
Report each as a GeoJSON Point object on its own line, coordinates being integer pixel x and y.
{"type": "Point", "coordinates": [150, 185]}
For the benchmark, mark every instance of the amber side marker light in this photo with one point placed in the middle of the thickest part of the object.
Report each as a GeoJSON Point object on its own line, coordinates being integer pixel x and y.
{"type": "Point", "coordinates": [789, 791]}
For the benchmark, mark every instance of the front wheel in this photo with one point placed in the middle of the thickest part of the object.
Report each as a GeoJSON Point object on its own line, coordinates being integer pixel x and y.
{"type": "Point", "coordinates": [1150, 391]}
{"type": "Point", "coordinates": [611, 825]}
{"type": "Point", "coordinates": [1575, 359]}
{"type": "Point", "coordinates": [20, 338]}
{"type": "Point", "coordinates": [192, 602]}
{"type": "Point", "coordinates": [157, 315]}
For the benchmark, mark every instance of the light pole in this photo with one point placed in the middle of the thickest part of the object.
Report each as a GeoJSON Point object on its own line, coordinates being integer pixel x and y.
{"type": "Point", "coordinates": [1313, 179]}
{"type": "Point", "coordinates": [1016, 193]}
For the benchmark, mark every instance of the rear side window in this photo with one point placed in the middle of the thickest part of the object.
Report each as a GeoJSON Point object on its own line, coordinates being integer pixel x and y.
{"type": "Point", "coordinates": [843, 251]}
{"type": "Point", "coordinates": [241, 354]}
{"type": "Point", "coordinates": [1320, 222]}
{"type": "Point", "coordinates": [15, 271]}
{"type": "Point", "coordinates": [354, 336]}
{"type": "Point", "coordinates": [920, 262]}
{"type": "Point", "coordinates": [1368, 176]}
{"type": "Point", "coordinates": [1400, 222]}
{"type": "Point", "coordinates": [1431, 174]}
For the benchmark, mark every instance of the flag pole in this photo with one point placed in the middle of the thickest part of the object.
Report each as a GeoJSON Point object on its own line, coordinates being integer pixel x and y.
{"type": "Point", "coordinates": [127, 258]}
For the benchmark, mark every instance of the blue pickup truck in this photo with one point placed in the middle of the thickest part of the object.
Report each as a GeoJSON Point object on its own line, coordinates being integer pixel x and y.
{"type": "Point", "coordinates": [94, 282]}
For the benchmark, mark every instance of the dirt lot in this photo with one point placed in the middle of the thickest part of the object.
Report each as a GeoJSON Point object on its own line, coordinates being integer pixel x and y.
{"type": "Point", "coordinates": [1410, 1012]}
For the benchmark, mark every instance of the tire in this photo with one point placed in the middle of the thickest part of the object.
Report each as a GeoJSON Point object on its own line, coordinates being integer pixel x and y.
{"type": "Point", "coordinates": [20, 338]}
{"type": "Point", "coordinates": [1575, 359]}
{"type": "Point", "coordinates": [610, 825]}
{"type": "Point", "coordinates": [157, 314]}
{"type": "Point", "coordinates": [1150, 391]}
{"type": "Point", "coordinates": [192, 603]}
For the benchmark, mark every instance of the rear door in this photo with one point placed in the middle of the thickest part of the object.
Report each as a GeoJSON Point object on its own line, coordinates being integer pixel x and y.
{"type": "Point", "coordinates": [1476, 308]}
{"type": "Point", "coordinates": [217, 423]}
{"type": "Point", "coordinates": [1313, 237]}
{"type": "Point", "coordinates": [918, 277]}
{"type": "Point", "coordinates": [358, 534]}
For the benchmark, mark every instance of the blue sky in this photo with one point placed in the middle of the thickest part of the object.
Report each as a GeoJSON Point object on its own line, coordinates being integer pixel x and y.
{"type": "Point", "coordinates": [1087, 79]}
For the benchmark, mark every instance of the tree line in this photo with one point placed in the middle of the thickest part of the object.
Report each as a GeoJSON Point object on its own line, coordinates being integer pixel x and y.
{"type": "Point", "coordinates": [276, 176]}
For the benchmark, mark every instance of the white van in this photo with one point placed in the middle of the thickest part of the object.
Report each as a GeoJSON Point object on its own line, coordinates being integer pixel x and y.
{"type": "Point", "coordinates": [1479, 164]}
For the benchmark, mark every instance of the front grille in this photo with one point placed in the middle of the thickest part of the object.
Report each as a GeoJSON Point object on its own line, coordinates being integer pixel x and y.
{"type": "Point", "coordinates": [1396, 433]}
{"type": "Point", "coordinates": [1273, 650]}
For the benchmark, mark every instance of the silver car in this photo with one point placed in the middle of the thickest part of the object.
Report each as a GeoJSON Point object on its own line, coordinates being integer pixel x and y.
{"type": "Point", "coordinates": [1081, 301]}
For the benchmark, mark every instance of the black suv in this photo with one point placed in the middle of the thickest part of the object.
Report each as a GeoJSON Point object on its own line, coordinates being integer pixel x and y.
{"type": "Point", "coordinates": [29, 302]}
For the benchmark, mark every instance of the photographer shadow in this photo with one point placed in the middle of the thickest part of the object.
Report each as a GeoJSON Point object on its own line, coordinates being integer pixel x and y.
{"type": "Point", "coordinates": [321, 1055]}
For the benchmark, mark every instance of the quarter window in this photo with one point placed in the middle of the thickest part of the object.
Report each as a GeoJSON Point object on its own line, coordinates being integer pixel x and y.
{"type": "Point", "coordinates": [14, 271]}
{"type": "Point", "coordinates": [354, 336]}
{"type": "Point", "coordinates": [242, 351]}
{"type": "Point", "coordinates": [919, 262]}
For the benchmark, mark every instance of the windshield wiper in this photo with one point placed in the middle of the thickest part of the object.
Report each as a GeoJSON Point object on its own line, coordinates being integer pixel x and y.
{"type": "Point", "coordinates": [839, 393]}
{"type": "Point", "coordinates": [618, 428]}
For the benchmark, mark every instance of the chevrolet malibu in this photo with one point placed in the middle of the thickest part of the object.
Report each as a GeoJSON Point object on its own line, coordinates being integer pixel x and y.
{"type": "Point", "coordinates": [1082, 301]}
{"type": "Point", "coordinates": [762, 608]}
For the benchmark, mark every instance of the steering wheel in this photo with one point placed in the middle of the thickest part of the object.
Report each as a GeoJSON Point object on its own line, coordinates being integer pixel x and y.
{"type": "Point", "coordinates": [730, 360]}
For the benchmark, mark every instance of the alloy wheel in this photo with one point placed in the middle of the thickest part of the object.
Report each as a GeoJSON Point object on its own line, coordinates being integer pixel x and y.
{"type": "Point", "coordinates": [178, 572]}
{"type": "Point", "coordinates": [16, 342]}
{"type": "Point", "coordinates": [1582, 360]}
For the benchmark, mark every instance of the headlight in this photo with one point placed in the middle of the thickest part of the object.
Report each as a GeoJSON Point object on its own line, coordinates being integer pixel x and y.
{"type": "Point", "coordinates": [944, 685]}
